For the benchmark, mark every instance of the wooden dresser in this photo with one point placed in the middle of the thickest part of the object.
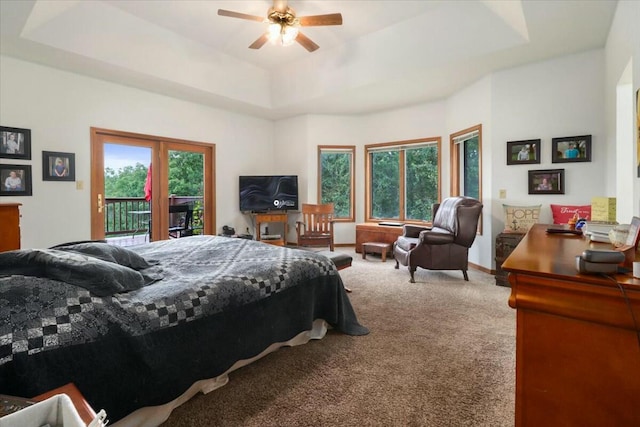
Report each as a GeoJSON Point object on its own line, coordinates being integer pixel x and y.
{"type": "Point", "coordinates": [577, 342]}
{"type": "Point", "coordinates": [9, 226]}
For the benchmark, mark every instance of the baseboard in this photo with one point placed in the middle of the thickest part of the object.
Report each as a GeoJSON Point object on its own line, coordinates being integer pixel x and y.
{"type": "Point", "coordinates": [337, 245]}
{"type": "Point", "coordinates": [481, 268]}
{"type": "Point", "coordinates": [471, 265]}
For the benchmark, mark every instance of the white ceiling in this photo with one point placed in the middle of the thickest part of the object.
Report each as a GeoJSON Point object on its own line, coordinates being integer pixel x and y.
{"type": "Point", "coordinates": [387, 54]}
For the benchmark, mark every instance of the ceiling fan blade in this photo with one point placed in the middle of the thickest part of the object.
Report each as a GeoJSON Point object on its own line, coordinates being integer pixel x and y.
{"type": "Point", "coordinates": [306, 42]}
{"type": "Point", "coordinates": [259, 42]}
{"type": "Point", "coordinates": [318, 20]}
{"type": "Point", "coordinates": [232, 14]}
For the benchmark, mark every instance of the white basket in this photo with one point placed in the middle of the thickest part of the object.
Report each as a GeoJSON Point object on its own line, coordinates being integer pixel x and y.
{"type": "Point", "coordinates": [56, 411]}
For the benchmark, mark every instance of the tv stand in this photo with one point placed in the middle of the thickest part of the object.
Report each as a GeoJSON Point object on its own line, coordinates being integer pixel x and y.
{"type": "Point", "coordinates": [267, 217]}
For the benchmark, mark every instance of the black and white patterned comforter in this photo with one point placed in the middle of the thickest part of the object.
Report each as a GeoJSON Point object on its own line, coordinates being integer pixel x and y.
{"type": "Point", "coordinates": [218, 300]}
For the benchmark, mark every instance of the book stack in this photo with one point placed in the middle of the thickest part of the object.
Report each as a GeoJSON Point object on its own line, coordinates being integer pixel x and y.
{"type": "Point", "coordinates": [271, 237]}
{"type": "Point", "coordinates": [598, 231]}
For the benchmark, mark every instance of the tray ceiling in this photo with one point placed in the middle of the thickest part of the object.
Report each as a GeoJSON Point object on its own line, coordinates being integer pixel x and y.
{"type": "Point", "coordinates": [387, 54]}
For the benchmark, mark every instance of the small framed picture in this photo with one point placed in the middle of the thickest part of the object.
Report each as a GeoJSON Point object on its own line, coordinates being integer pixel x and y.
{"type": "Point", "coordinates": [58, 166]}
{"type": "Point", "coordinates": [633, 238]}
{"type": "Point", "coordinates": [571, 149]}
{"type": "Point", "coordinates": [546, 181]}
{"type": "Point", "coordinates": [15, 180]}
{"type": "Point", "coordinates": [523, 152]}
{"type": "Point", "coordinates": [15, 143]}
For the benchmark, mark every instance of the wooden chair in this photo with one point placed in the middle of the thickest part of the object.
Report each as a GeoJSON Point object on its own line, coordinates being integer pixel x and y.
{"type": "Point", "coordinates": [180, 221]}
{"type": "Point", "coordinates": [316, 226]}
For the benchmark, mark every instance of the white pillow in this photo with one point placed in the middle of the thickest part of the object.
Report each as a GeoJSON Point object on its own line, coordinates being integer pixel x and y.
{"type": "Point", "coordinates": [519, 219]}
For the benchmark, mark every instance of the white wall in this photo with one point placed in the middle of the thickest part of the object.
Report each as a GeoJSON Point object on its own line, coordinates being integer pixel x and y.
{"type": "Point", "coordinates": [557, 98]}
{"type": "Point", "coordinates": [60, 107]}
{"type": "Point", "coordinates": [542, 100]}
{"type": "Point", "coordinates": [293, 156]}
{"type": "Point", "coordinates": [334, 130]}
{"type": "Point", "coordinates": [560, 97]}
{"type": "Point", "coordinates": [467, 108]}
{"type": "Point", "coordinates": [623, 50]}
{"type": "Point", "coordinates": [422, 121]}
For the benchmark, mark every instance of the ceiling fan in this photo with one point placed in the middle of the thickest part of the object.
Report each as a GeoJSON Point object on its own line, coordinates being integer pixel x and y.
{"type": "Point", "coordinates": [284, 25]}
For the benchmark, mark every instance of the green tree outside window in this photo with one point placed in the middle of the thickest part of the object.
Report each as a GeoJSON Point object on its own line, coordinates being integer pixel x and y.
{"type": "Point", "coordinates": [407, 172]}
{"type": "Point", "coordinates": [336, 179]}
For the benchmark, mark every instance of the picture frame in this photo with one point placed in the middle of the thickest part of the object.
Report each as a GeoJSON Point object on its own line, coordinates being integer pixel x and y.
{"type": "Point", "coordinates": [546, 181]}
{"type": "Point", "coordinates": [15, 180]}
{"type": "Point", "coordinates": [58, 166]}
{"type": "Point", "coordinates": [523, 152]}
{"type": "Point", "coordinates": [571, 149]}
{"type": "Point", "coordinates": [15, 143]}
{"type": "Point", "coordinates": [633, 238]}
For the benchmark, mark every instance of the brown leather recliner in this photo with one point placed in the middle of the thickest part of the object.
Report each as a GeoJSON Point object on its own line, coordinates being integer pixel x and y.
{"type": "Point", "coordinates": [445, 245]}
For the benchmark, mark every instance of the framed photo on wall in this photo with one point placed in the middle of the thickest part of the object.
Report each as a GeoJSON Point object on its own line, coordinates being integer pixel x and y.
{"type": "Point", "coordinates": [57, 166]}
{"type": "Point", "coordinates": [523, 152]}
{"type": "Point", "coordinates": [571, 149]}
{"type": "Point", "coordinates": [15, 143]}
{"type": "Point", "coordinates": [546, 181]}
{"type": "Point", "coordinates": [15, 179]}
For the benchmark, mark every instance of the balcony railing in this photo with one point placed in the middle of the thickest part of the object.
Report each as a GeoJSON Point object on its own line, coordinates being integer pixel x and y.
{"type": "Point", "coordinates": [128, 216]}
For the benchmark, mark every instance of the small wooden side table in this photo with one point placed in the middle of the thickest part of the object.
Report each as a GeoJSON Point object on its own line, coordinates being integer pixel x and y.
{"type": "Point", "coordinates": [376, 248]}
{"type": "Point", "coordinates": [373, 232]}
{"type": "Point", "coordinates": [262, 218]}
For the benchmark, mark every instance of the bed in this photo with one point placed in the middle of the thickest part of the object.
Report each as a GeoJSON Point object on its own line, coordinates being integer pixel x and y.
{"type": "Point", "coordinates": [138, 327]}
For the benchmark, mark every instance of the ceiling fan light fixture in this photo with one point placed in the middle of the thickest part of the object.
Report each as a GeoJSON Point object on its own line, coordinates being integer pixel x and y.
{"type": "Point", "coordinates": [274, 32]}
{"type": "Point", "coordinates": [284, 25]}
{"type": "Point", "coordinates": [289, 34]}
{"type": "Point", "coordinates": [282, 34]}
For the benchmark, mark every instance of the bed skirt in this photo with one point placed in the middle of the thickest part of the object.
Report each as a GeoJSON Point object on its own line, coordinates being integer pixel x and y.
{"type": "Point", "coordinates": [153, 416]}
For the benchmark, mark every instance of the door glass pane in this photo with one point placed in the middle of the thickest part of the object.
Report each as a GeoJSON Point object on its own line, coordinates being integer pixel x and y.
{"type": "Point", "coordinates": [421, 169]}
{"type": "Point", "coordinates": [127, 218]}
{"type": "Point", "coordinates": [186, 188]}
{"type": "Point", "coordinates": [385, 184]}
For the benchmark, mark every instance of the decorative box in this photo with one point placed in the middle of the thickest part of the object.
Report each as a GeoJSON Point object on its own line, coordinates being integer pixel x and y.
{"type": "Point", "coordinates": [603, 209]}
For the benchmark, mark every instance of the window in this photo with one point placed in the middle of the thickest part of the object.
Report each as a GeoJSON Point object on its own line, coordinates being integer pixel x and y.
{"type": "Point", "coordinates": [466, 164]}
{"type": "Point", "coordinates": [403, 180]}
{"type": "Point", "coordinates": [466, 167]}
{"type": "Point", "coordinates": [336, 179]}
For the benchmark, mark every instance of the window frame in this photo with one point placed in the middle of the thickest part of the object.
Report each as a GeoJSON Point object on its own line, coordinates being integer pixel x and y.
{"type": "Point", "coordinates": [350, 149]}
{"type": "Point", "coordinates": [456, 140]}
{"type": "Point", "coordinates": [400, 146]}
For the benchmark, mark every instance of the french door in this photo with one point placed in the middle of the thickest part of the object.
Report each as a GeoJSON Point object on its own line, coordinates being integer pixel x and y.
{"type": "Point", "coordinates": [174, 171]}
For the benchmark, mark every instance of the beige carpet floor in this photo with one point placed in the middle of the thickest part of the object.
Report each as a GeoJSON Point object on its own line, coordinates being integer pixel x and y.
{"type": "Point", "coordinates": [441, 352]}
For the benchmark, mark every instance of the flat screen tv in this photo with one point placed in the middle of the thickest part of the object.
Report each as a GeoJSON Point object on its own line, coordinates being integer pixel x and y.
{"type": "Point", "coordinates": [268, 193]}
